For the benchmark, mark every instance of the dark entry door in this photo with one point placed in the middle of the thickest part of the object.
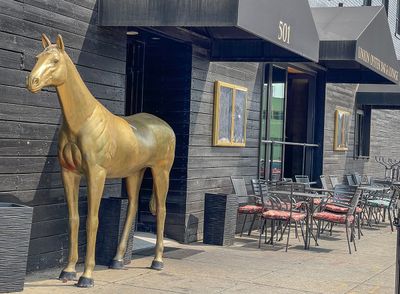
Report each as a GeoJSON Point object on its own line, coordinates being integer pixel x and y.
{"type": "Point", "coordinates": [300, 124]}
{"type": "Point", "coordinates": [159, 83]}
{"type": "Point", "coordinates": [134, 76]}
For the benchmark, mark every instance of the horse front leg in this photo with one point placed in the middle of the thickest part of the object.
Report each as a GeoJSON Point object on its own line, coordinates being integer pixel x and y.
{"type": "Point", "coordinates": [96, 177]}
{"type": "Point", "coordinates": [71, 187]}
{"type": "Point", "coordinates": [133, 184]}
{"type": "Point", "coordinates": [161, 184]}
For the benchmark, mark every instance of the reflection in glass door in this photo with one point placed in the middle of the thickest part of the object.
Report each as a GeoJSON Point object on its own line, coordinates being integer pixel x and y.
{"type": "Point", "coordinates": [277, 120]}
{"type": "Point", "coordinates": [273, 122]}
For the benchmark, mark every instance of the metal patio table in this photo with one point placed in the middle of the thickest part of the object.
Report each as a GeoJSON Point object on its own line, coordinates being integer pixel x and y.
{"type": "Point", "coordinates": [309, 197]}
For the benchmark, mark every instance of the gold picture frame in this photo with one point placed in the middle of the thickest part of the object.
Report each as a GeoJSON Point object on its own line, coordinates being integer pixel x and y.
{"type": "Point", "coordinates": [230, 115]}
{"type": "Point", "coordinates": [342, 122]}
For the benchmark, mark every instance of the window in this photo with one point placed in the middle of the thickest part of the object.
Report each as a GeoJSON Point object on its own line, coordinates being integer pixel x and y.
{"type": "Point", "coordinates": [362, 132]}
{"type": "Point", "coordinates": [229, 115]}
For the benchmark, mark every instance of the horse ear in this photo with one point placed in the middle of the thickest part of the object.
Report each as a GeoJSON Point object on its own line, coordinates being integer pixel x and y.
{"type": "Point", "coordinates": [60, 42]}
{"type": "Point", "coordinates": [45, 41]}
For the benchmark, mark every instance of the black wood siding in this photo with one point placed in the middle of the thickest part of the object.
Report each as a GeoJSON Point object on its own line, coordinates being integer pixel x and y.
{"type": "Point", "coordinates": [29, 170]}
{"type": "Point", "coordinates": [210, 168]}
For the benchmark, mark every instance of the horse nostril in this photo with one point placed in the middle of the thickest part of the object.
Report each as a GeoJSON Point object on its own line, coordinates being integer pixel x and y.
{"type": "Point", "coordinates": [35, 81]}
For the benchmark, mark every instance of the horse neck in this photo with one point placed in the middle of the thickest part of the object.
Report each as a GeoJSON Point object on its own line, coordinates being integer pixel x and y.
{"type": "Point", "coordinates": [77, 103]}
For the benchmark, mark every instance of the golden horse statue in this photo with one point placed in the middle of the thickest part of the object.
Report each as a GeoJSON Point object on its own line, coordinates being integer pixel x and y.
{"type": "Point", "coordinates": [97, 144]}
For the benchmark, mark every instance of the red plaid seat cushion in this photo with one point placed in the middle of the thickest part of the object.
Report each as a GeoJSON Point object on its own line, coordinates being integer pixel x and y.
{"type": "Point", "coordinates": [339, 209]}
{"type": "Point", "coordinates": [333, 217]}
{"type": "Point", "coordinates": [283, 215]}
{"type": "Point", "coordinates": [250, 209]}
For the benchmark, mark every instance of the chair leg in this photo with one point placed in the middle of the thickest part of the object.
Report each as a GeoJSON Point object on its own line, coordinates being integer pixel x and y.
{"type": "Point", "coordinates": [347, 237]}
{"type": "Point", "coordinates": [330, 230]}
{"type": "Point", "coordinates": [302, 234]}
{"type": "Point", "coordinates": [261, 232]}
{"type": "Point", "coordinates": [288, 235]}
{"type": "Point", "coordinates": [359, 225]}
{"type": "Point", "coordinates": [318, 229]}
{"type": "Point", "coordinates": [244, 223]}
{"type": "Point", "coordinates": [272, 232]}
{"type": "Point", "coordinates": [252, 224]}
{"type": "Point", "coordinates": [296, 233]}
{"type": "Point", "coordinates": [353, 233]}
{"type": "Point", "coordinates": [390, 219]}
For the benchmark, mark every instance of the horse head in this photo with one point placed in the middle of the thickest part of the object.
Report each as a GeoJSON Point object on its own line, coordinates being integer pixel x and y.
{"type": "Point", "coordinates": [50, 68]}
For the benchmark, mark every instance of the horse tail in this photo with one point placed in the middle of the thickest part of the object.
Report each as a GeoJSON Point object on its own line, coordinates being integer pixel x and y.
{"type": "Point", "coordinates": [152, 204]}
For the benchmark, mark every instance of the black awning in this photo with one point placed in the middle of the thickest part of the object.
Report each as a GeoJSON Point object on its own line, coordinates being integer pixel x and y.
{"type": "Point", "coordinates": [356, 45]}
{"type": "Point", "coordinates": [379, 96]}
{"type": "Point", "coordinates": [245, 30]}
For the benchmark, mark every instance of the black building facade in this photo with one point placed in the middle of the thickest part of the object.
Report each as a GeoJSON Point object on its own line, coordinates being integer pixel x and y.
{"type": "Point", "coordinates": [146, 57]}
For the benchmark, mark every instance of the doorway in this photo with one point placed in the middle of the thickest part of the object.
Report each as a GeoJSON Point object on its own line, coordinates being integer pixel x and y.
{"type": "Point", "coordinates": [300, 123]}
{"type": "Point", "coordinates": [288, 110]}
{"type": "Point", "coordinates": [159, 83]}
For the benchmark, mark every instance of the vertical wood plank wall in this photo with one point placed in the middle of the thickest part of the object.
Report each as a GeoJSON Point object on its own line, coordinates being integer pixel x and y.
{"type": "Point", "coordinates": [29, 171]}
{"type": "Point", "coordinates": [210, 168]}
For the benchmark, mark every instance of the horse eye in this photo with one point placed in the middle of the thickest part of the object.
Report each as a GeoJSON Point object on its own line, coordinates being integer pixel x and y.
{"type": "Point", "coordinates": [56, 60]}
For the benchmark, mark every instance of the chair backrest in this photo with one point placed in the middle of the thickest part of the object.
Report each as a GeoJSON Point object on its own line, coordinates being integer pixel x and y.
{"type": "Point", "coordinates": [354, 201]}
{"type": "Point", "coordinates": [334, 180]}
{"type": "Point", "coordinates": [357, 178]}
{"type": "Point", "coordinates": [350, 180]}
{"type": "Point", "coordinates": [302, 179]}
{"type": "Point", "coordinates": [343, 194]}
{"type": "Point", "coordinates": [259, 187]}
{"type": "Point", "coordinates": [323, 182]}
{"type": "Point", "coordinates": [283, 201]}
{"type": "Point", "coordinates": [239, 186]}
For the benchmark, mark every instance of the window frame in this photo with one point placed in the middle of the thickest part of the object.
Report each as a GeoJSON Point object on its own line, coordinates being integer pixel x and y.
{"type": "Point", "coordinates": [362, 132]}
{"type": "Point", "coordinates": [216, 123]}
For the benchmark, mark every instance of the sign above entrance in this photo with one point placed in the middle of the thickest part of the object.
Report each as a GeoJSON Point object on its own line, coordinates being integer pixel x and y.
{"type": "Point", "coordinates": [245, 30]}
{"type": "Point", "coordinates": [356, 45]}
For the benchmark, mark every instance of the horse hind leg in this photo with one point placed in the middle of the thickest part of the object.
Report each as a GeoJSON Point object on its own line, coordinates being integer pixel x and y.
{"type": "Point", "coordinates": [133, 184]}
{"type": "Point", "coordinates": [161, 184]}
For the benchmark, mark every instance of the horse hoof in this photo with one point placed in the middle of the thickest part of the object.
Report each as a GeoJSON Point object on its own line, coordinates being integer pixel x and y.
{"type": "Point", "coordinates": [157, 265]}
{"type": "Point", "coordinates": [117, 264]}
{"type": "Point", "coordinates": [67, 276]}
{"type": "Point", "coordinates": [85, 283]}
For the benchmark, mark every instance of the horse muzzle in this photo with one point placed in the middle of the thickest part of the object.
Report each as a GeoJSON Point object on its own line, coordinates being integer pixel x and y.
{"type": "Point", "coordinates": [33, 84]}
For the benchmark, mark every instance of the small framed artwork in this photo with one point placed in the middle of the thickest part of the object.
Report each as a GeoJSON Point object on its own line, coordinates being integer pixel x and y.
{"type": "Point", "coordinates": [342, 121]}
{"type": "Point", "coordinates": [230, 102]}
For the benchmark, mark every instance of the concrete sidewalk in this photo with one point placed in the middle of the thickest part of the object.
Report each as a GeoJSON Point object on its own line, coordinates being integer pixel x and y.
{"type": "Point", "coordinates": [243, 268]}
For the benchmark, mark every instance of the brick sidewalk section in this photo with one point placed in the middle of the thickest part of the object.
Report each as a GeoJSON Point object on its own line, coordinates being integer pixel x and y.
{"type": "Point", "coordinates": [243, 268]}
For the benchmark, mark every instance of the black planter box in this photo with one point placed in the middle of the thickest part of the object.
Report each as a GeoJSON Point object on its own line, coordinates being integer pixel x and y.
{"type": "Point", "coordinates": [15, 232]}
{"type": "Point", "coordinates": [112, 217]}
{"type": "Point", "coordinates": [220, 214]}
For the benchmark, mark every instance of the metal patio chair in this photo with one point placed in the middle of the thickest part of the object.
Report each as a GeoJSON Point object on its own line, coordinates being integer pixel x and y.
{"type": "Point", "coordinates": [248, 204]}
{"type": "Point", "coordinates": [348, 218]}
{"type": "Point", "coordinates": [282, 209]}
{"type": "Point", "coordinates": [380, 203]}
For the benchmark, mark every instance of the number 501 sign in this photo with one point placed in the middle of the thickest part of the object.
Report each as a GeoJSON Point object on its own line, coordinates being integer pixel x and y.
{"type": "Point", "coordinates": [284, 32]}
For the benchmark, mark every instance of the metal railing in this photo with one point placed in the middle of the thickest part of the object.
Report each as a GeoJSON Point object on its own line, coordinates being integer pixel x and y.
{"type": "Point", "coordinates": [304, 145]}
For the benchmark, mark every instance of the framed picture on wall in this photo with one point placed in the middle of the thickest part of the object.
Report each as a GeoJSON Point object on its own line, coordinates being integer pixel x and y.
{"type": "Point", "coordinates": [230, 103]}
{"type": "Point", "coordinates": [342, 121]}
